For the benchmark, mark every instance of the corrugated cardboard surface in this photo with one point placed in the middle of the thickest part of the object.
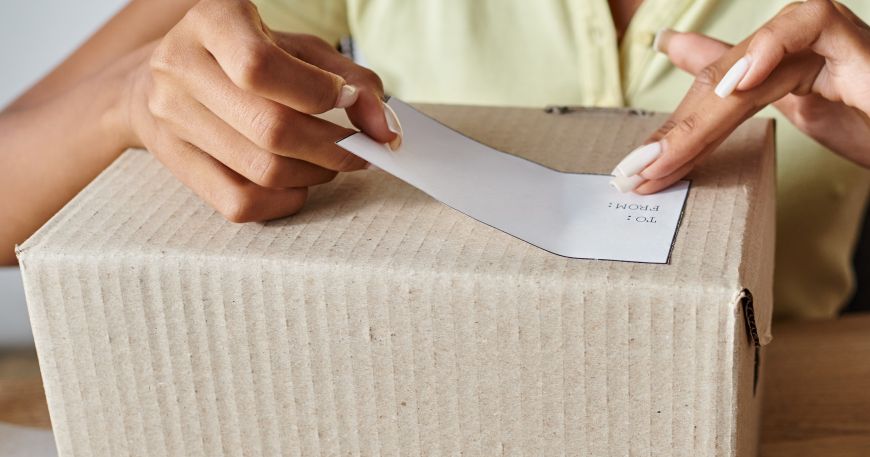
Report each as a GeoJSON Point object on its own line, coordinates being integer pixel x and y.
{"type": "Point", "coordinates": [380, 322]}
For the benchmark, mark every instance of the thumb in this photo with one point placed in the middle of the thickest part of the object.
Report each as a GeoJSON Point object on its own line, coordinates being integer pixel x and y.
{"type": "Point", "coordinates": [690, 52]}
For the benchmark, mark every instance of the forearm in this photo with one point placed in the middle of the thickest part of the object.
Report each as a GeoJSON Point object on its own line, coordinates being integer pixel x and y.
{"type": "Point", "coordinates": [50, 151]}
{"type": "Point", "coordinates": [221, 101]}
{"type": "Point", "coordinates": [57, 136]}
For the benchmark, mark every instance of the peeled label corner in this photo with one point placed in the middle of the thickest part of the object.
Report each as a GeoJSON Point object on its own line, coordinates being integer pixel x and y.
{"type": "Point", "coordinates": [574, 215]}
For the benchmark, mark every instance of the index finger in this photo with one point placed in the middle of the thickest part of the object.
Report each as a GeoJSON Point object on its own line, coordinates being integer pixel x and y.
{"type": "Point", "coordinates": [703, 120]}
{"type": "Point", "coordinates": [686, 132]}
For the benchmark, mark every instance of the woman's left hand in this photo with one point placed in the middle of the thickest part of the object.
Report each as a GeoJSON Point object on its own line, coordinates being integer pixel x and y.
{"type": "Point", "coordinates": [811, 61]}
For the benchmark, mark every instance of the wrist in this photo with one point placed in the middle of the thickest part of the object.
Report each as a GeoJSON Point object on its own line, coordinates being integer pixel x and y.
{"type": "Point", "coordinates": [123, 83]}
{"type": "Point", "coordinates": [113, 126]}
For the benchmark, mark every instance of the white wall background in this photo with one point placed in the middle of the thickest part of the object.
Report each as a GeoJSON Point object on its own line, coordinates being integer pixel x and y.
{"type": "Point", "coordinates": [34, 36]}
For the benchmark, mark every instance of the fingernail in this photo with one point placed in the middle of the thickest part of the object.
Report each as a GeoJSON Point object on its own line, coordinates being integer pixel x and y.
{"type": "Point", "coordinates": [371, 166]}
{"type": "Point", "coordinates": [638, 159]}
{"type": "Point", "coordinates": [732, 77]}
{"type": "Point", "coordinates": [663, 37]}
{"type": "Point", "coordinates": [394, 126]}
{"type": "Point", "coordinates": [346, 96]}
{"type": "Point", "coordinates": [626, 183]}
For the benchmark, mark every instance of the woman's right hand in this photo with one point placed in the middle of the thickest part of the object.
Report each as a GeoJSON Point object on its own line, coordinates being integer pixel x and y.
{"type": "Point", "coordinates": [811, 61]}
{"type": "Point", "coordinates": [227, 105]}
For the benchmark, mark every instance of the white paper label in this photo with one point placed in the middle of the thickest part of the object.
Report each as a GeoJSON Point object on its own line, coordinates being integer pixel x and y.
{"type": "Point", "coordinates": [570, 214]}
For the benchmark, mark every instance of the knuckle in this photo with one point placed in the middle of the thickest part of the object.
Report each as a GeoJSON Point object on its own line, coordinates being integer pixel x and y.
{"type": "Point", "coordinates": [821, 10]}
{"type": "Point", "coordinates": [241, 203]}
{"type": "Point", "coordinates": [297, 201]}
{"type": "Point", "coordinates": [209, 9]}
{"type": "Point", "coordinates": [201, 13]}
{"type": "Point", "coordinates": [208, 14]}
{"type": "Point", "coordinates": [766, 34]}
{"type": "Point", "coordinates": [252, 62]}
{"type": "Point", "coordinates": [368, 76]}
{"type": "Point", "coordinates": [264, 170]}
{"type": "Point", "coordinates": [238, 205]}
{"type": "Point", "coordinates": [160, 103]}
{"type": "Point", "coordinates": [272, 128]}
{"type": "Point", "coordinates": [246, 6]}
{"type": "Point", "coordinates": [687, 124]}
{"type": "Point", "coordinates": [665, 128]}
{"type": "Point", "coordinates": [790, 6]}
{"type": "Point", "coordinates": [709, 76]}
{"type": "Point", "coordinates": [163, 60]}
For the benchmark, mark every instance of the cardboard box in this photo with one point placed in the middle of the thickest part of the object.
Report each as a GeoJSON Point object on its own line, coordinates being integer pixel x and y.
{"type": "Point", "coordinates": [381, 322]}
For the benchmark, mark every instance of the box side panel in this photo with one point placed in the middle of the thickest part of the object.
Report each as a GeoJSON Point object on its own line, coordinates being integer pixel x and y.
{"type": "Point", "coordinates": [199, 357]}
{"type": "Point", "coordinates": [756, 270]}
{"type": "Point", "coordinates": [51, 349]}
{"type": "Point", "coordinates": [756, 275]}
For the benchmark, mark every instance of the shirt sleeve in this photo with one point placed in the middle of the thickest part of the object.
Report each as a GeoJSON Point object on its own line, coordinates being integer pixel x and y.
{"type": "Point", "coordinates": [324, 18]}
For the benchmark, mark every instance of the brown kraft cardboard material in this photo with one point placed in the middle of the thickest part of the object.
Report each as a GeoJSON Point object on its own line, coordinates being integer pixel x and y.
{"type": "Point", "coordinates": [379, 322]}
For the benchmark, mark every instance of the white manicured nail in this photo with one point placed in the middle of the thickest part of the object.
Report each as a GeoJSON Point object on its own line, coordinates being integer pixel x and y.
{"type": "Point", "coordinates": [394, 125]}
{"type": "Point", "coordinates": [638, 159]}
{"type": "Point", "coordinates": [732, 78]}
{"type": "Point", "coordinates": [660, 43]}
{"type": "Point", "coordinates": [347, 96]}
{"type": "Point", "coordinates": [626, 183]}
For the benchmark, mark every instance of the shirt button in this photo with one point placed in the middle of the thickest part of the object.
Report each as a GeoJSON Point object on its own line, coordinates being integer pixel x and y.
{"type": "Point", "coordinates": [646, 39]}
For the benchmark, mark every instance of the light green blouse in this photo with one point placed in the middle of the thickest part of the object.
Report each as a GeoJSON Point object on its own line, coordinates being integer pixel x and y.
{"type": "Point", "coordinates": [535, 53]}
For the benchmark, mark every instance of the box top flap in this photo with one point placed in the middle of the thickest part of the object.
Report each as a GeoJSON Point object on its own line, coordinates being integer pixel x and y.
{"type": "Point", "coordinates": [369, 220]}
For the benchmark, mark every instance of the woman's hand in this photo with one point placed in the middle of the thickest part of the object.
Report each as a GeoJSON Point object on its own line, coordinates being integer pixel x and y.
{"type": "Point", "coordinates": [226, 104]}
{"type": "Point", "coordinates": [812, 61]}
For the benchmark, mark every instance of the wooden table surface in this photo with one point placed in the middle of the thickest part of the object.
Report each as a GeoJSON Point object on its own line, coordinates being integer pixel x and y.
{"type": "Point", "coordinates": [816, 397]}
